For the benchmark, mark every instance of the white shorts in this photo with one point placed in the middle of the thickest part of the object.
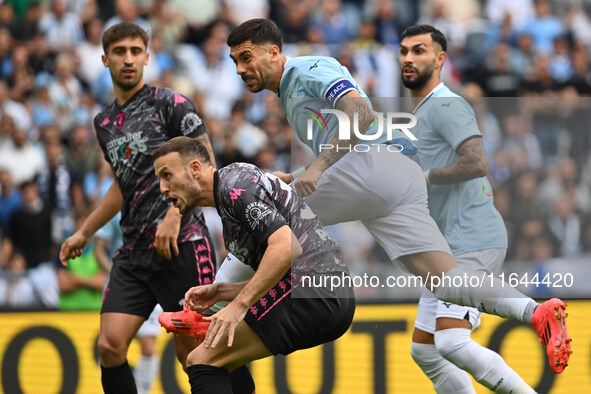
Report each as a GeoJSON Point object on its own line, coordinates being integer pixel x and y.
{"type": "Point", "coordinates": [151, 327]}
{"type": "Point", "coordinates": [387, 192]}
{"type": "Point", "coordinates": [430, 308]}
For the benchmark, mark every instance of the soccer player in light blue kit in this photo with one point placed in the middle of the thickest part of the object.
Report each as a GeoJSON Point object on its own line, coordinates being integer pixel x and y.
{"type": "Point", "coordinates": [455, 165]}
{"type": "Point", "coordinates": [377, 185]}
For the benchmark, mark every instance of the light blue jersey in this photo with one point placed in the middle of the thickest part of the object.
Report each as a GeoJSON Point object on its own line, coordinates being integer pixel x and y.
{"type": "Point", "coordinates": [463, 211]}
{"type": "Point", "coordinates": [310, 84]}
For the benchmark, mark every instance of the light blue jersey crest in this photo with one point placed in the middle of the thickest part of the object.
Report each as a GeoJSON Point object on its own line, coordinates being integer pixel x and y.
{"type": "Point", "coordinates": [463, 211]}
{"type": "Point", "coordinates": [311, 84]}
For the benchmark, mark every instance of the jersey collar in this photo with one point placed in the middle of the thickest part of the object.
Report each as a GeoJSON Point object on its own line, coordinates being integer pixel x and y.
{"type": "Point", "coordinates": [428, 96]}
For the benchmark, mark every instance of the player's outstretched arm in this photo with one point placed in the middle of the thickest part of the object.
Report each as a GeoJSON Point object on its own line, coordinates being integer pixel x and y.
{"type": "Point", "coordinates": [282, 248]}
{"type": "Point", "coordinates": [106, 209]}
{"type": "Point", "coordinates": [471, 163]}
{"type": "Point", "coordinates": [351, 103]}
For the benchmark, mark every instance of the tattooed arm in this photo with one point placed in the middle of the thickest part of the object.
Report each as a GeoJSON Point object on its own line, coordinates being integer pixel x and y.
{"type": "Point", "coordinates": [350, 103]}
{"type": "Point", "coordinates": [471, 163]}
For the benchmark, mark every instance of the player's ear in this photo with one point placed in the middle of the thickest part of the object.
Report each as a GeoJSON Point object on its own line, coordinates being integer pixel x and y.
{"type": "Point", "coordinates": [195, 167]}
{"type": "Point", "coordinates": [274, 51]}
{"type": "Point", "coordinates": [147, 57]}
{"type": "Point", "coordinates": [104, 59]}
{"type": "Point", "coordinates": [440, 59]}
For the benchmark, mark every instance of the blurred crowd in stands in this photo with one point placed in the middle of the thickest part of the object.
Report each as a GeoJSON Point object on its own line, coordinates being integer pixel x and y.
{"type": "Point", "coordinates": [524, 66]}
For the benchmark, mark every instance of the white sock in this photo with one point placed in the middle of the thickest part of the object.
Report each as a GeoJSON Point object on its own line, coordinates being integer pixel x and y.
{"type": "Point", "coordinates": [446, 377]}
{"type": "Point", "coordinates": [487, 367]}
{"type": "Point", "coordinates": [145, 372]}
{"type": "Point", "coordinates": [232, 270]}
{"type": "Point", "coordinates": [489, 296]}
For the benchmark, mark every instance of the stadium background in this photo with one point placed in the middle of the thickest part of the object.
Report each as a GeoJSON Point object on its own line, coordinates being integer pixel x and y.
{"type": "Point", "coordinates": [531, 63]}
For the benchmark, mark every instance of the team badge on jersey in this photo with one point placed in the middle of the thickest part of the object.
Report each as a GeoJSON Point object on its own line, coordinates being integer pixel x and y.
{"type": "Point", "coordinates": [255, 211]}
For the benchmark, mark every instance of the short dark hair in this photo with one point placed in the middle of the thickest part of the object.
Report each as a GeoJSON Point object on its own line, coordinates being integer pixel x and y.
{"type": "Point", "coordinates": [187, 148]}
{"type": "Point", "coordinates": [123, 30]}
{"type": "Point", "coordinates": [436, 35]}
{"type": "Point", "coordinates": [259, 31]}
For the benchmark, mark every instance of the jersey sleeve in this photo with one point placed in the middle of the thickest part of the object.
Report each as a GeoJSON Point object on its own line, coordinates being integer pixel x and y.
{"type": "Point", "coordinates": [183, 119]}
{"type": "Point", "coordinates": [253, 207]}
{"type": "Point", "coordinates": [455, 120]}
{"type": "Point", "coordinates": [326, 80]}
{"type": "Point", "coordinates": [101, 143]}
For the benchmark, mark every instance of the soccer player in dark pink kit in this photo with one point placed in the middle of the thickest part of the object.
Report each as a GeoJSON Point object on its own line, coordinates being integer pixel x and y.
{"type": "Point", "coordinates": [163, 254]}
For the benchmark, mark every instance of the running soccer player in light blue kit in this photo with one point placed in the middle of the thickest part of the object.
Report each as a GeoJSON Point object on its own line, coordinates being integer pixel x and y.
{"type": "Point", "coordinates": [455, 165]}
{"type": "Point", "coordinates": [381, 187]}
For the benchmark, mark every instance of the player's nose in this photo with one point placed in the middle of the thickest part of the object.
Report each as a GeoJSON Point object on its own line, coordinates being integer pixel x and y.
{"type": "Point", "coordinates": [164, 189]}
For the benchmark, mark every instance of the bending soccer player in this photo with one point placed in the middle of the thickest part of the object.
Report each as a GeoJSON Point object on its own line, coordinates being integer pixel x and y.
{"type": "Point", "coordinates": [163, 254]}
{"type": "Point", "coordinates": [382, 188]}
{"type": "Point", "coordinates": [270, 228]}
{"type": "Point", "coordinates": [452, 156]}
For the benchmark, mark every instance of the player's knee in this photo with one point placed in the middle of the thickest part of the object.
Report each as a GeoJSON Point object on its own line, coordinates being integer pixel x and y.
{"type": "Point", "coordinates": [449, 341]}
{"type": "Point", "coordinates": [111, 352]}
{"type": "Point", "coordinates": [424, 354]}
{"type": "Point", "coordinates": [198, 356]}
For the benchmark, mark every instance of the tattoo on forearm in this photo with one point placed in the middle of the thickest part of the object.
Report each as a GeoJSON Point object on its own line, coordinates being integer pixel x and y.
{"type": "Point", "coordinates": [471, 163]}
{"type": "Point", "coordinates": [365, 115]}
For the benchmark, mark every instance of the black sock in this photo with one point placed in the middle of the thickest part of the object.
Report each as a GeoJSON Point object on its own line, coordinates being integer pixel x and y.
{"type": "Point", "coordinates": [241, 381]}
{"type": "Point", "coordinates": [118, 380]}
{"type": "Point", "coordinates": [205, 379]}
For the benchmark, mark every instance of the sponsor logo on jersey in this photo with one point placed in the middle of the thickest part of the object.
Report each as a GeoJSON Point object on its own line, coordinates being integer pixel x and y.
{"type": "Point", "coordinates": [190, 122]}
{"type": "Point", "coordinates": [235, 193]}
{"type": "Point", "coordinates": [126, 146]}
{"type": "Point", "coordinates": [313, 65]}
{"type": "Point", "coordinates": [237, 251]}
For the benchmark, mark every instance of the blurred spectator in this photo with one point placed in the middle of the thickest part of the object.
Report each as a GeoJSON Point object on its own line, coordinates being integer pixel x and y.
{"type": "Point", "coordinates": [292, 17]}
{"type": "Point", "coordinates": [544, 27]}
{"type": "Point", "coordinates": [566, 226]}
{"type": "Point", "coordinates": [440, 16]}
{"type": "Point", "coordinates": [216, 65]}
{"type": "Point", "coordinates": [89, 53]}
{"type": "Point", "coordinates": [525, 206]}
{"type": "Point", "coordinates": [81, 157]}
{"type": "Point", "coordinates": [238, 11]}
{"type": "Point", "coordinates": [96, 184]}
{"type": "Point", "coordinates": [16, 289]}
{"type": "Point", "coordinates": [127, 11]}
{"type": "Point", "coordinates": [520, 11]}
{"type": "Point", "coordinates": [21, 77]}
{"type": "Point", "coordinates": [581, 76]}
{"type": "Point", "coordinates": [65, 92]}
{"type": "Point", "coordinates": [59, 190]}
{"type": "Point", "coordinates": [20, 7]}
{"type": "Point", "coordinates": [10, 199]}
{"type": "Point", "coordinates": [500, 78]}
{"type": "Point", "coordinates": [17, 111]}
{"type": "Point", "coordinates": [247, 137]}
{"type": "Point", "coordinates": [24, 29]}
{"type": "Point", "coordinates": [386, 25]}
{"type": "Point", "coordinates": [168, 23]}
{"type": "Point", "coordinates": [41, 106]}
{"type": "Point", "coordinates": [561, 67]}
{"type": "Point", "coordinates": [22, 160]}
{"type": "Point", "coordinates": [62, 28]}
{"type": "Point", "coordinates": [81, 283]}
{"type": "Point", "coordinates": [518, 140]}
{"type": "Point", "coordinates": [29, 229]}
{"type": "Point", "coordinates": [332, 22]}
{"type": "Point", "coordinates": [198, 14]}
